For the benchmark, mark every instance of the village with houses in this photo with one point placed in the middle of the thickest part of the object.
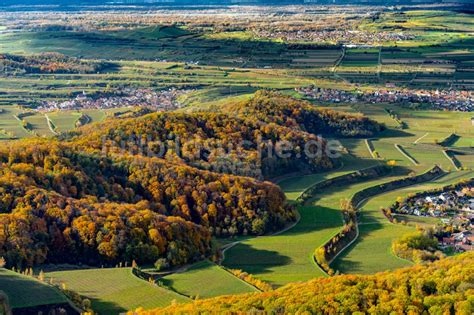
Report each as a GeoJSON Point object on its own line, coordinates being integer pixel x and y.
{"type": "Point", "coordinates": [163, 100]}
{"type": "Point", "coordinates": [341, 36]}
{"type": "Point", "coordinates": [452, 100]}
{"type": "Point", "coordinates": [455, 210]}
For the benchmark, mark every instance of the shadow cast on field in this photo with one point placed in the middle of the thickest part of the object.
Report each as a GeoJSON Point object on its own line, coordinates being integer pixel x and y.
{"type": "Point", "coordinates": [394, 133]}
{"type": "Point", "coordinates": [314, 219]}
{"type": "Point", "coordinates": [107, 308]}
{"type": "Point", "coordinates": [254, 260]}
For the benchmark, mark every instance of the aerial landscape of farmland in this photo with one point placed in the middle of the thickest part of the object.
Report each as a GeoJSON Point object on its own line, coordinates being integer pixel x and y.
{"type": "Point", "coordinates": [244, 157]}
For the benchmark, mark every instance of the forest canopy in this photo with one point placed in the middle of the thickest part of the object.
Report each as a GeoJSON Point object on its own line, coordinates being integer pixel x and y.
{"type": "Point", "coordinates": [272, 107]}
{"type": "Point", "coordinates": [48, 63]}
{"type": "Point", "coordinates": [152, 187]}
{"type": "Point", "coordinates": [60, 204]}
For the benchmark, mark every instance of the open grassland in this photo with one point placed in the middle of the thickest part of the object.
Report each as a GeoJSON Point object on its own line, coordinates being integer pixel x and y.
{"type": "Point", "coordinates": [10, 125]}
{"type": "Point", "coordinates": [64, 120]}
{"type": "Point", "coordinates": [287, 257]}
{"type": "Point", "coordinates": [371, 252]}
{"type": "Point", "coordinates": [39, 124]}
{"type": "Point", "coordinates": [115, 290]}
{"type": "Point", "coordinates": [23, 291]}
{"type": "Point", "coordinates": [205, 280]}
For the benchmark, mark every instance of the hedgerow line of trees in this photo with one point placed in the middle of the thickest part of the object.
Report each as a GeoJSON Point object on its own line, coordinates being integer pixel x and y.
{"type": "Point", "coordinates": [326, 253]}
{"type": "Point", "coordinates": [47, 63]}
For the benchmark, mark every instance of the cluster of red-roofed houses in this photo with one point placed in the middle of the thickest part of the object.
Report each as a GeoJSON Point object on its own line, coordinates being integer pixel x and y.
{"type": "Point", "coordinates": [162, 100]}
{"type": "Point", "coordinates": [455, 100]}
{"type": "Point", "coordinates": [454, 208]}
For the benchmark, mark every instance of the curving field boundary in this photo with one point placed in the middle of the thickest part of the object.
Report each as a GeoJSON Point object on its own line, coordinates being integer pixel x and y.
{"type": "Point", "coordinates": [367, 173]}
{"type": "Point", "coordinates": [326, 254]}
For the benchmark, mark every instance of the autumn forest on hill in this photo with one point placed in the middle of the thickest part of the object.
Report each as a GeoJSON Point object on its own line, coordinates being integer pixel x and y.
{"type": "Point", "coordinates": [76, 204]}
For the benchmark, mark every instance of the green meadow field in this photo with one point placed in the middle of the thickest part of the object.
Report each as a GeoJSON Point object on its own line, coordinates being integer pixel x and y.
{"type": "Point", "coordinates": [287, 257]}
{"type": "Point", "coordinates": [24, 291]}
{"type": "Point", "coordinates": [371, 252]}
{"type": "Point", "coordinates": [205, 280]}
{"type": "Point", "coordinates": [115, 290]}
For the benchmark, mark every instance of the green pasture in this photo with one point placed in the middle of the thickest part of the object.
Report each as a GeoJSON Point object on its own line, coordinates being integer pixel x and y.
{"type": "Point", "coordinates": [10, 124]}
{"type": "Point", "coordinates": [64, 120]}
{"type": "Point", "coordinates": [287, 257]}
{"type": "Point", "coordinates": [25, 291]}
{"type": "Point", "coordinates": [205, 280]}
{"type": "Point", "coordinates": [39, 124]}
{"type": "Point", "coordinates": [371, 252]}
{"type": "Point", "coordinates": [115, 290]}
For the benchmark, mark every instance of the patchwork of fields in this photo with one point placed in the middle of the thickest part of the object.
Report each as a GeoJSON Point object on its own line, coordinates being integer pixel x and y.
{"type": "Point", "coordinates": [227, 67]}
{"type": "Point", "coordinates": [287, 257]}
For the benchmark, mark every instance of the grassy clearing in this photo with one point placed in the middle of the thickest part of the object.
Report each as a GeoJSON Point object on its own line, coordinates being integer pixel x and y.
{"type": "Point", "coordinates": [115, 290]}
{"type": "Point", "coordinates": [205, 280]}
{"type": "Point", "coordinates": [372, 250]}
{"type": "Point", "coordinates": [23, 291]}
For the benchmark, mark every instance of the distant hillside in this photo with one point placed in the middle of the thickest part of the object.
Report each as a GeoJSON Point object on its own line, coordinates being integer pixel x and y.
{"type": "Point", "coordinates": [272, 107]}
